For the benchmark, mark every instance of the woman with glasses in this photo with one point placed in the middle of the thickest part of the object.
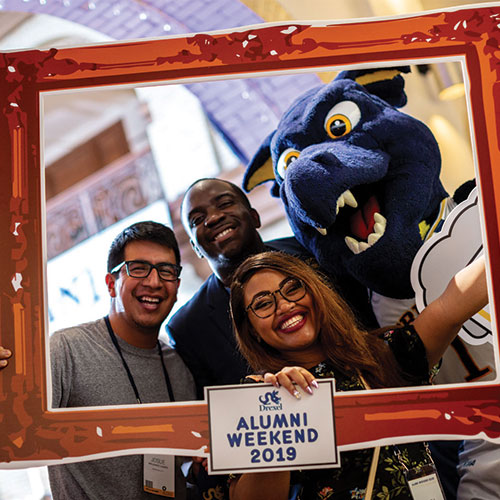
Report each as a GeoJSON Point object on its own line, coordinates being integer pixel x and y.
{"type": "Point", "coordinates": [290, 322]}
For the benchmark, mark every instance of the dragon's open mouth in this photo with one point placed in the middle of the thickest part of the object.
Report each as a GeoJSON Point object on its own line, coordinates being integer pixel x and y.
{"type": "Point", "coordinates": [359, 218]}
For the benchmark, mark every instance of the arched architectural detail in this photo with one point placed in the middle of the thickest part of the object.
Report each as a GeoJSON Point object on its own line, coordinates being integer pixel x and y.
{"type": "Point", "coordinates": [244, 110]}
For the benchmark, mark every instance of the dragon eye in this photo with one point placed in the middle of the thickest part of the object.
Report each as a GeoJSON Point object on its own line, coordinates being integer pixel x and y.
{"type": "Point", "coordinates": [285, 159]}
{"type": "Point", "coordinates": [341, 119]}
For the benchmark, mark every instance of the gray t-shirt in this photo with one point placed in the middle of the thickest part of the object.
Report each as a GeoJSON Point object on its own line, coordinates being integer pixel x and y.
{"type": "Point", "coordinates": [88, 371]}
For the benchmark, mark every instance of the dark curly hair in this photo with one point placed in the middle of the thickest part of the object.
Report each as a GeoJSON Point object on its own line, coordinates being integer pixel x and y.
{"type": "Point", "coordinates": [142, 231]}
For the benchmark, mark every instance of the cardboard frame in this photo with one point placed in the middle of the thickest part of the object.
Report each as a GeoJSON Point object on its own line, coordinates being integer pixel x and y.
{"type": "Point", "coordinates": [32, 434]}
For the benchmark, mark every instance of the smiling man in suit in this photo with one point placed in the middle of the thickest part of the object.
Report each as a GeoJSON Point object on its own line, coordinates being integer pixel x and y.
{"type": "Point", "coordinates": [222, 226]}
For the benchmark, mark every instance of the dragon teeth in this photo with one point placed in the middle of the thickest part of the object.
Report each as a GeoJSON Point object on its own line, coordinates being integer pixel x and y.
{"type": "Point", "coordinates": [349, 199]}
{"type": "Point", "coordinates": [380, 219]}
{"type": "Point", "coordinates": [352, 244]}
{"type": "Point", "coordinates": [346, 198]}
{"type": "Point", "coordinates": [356, 247]}
{"type": "Point", "coordinates": [373, 238]}
{"type": "Point", "coordinates": [363, 246]}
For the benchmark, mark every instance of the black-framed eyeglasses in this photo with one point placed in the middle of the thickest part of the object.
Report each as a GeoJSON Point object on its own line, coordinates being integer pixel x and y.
{"type": "Point", "coordinates": [142, 269]}
{"type": "Point", "coordinates": [264, 303]}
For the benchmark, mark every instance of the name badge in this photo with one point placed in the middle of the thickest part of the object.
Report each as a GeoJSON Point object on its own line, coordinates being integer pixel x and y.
{"type": "Point", "coordinates": [424, 483]}
{"type": "Point", "coordinates": [159, 475]}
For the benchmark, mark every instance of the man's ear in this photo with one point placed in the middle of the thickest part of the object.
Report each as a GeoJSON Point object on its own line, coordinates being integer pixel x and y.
{"type": "Point", "coordinates": [196, 249]}
{"type": "Point", "coordinates": [110, 283]}
{"type": "Point", "coordinates": [256, 218]}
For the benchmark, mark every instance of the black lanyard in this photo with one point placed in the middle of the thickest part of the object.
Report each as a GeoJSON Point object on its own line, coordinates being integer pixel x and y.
{"type": "Point", "coordinates": [127, 369]}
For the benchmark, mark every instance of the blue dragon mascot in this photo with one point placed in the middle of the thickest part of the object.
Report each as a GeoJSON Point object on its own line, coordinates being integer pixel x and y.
{"type": "Point", "coordinates": [359, 179]}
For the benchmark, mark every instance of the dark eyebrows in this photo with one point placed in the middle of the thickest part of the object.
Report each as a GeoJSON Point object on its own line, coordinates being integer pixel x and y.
{"type": "Point", "coordinates": [195, 210]}
{"type": "Point", "coordinates": [224, 195]}
{"type": "Point", "coordinates": [141, 261]}
{"type": "Point", "coordinates": [265, 292]}
{"type": "Point", "coordinates": [262, 293]}
{"type": "Point", "coordinates": [220, 197]}
{"type": "Point", "coordinates": [284, 280]}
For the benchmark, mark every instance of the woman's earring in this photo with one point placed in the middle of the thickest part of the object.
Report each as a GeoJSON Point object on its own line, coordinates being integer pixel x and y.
{"type": "Point", "coordinates": [259, 340]}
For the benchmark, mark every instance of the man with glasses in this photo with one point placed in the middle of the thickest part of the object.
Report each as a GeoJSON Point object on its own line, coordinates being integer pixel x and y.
{"type": "Point", "coordinates": [119, 360]}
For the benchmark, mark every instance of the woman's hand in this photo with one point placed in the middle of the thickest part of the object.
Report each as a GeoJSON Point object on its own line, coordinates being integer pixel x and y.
{"type": "Point", "coordinates": [4, 355]}
{"type": "Point", "coordinates": [291, 375]}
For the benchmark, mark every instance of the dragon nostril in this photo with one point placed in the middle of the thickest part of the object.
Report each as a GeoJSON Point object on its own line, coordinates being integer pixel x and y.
{"type": "Point", "coordinates": [326, 157]}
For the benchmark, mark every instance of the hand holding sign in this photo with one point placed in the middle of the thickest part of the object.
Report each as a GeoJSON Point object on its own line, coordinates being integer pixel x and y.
{"type": "Point", "coordinates": [291, 375]}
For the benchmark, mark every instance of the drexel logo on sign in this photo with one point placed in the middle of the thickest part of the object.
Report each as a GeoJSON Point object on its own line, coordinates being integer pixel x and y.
{"type": "Point", "coordinates": [270, 401]}
{"type": "Point", "coordinates": [259, 427]}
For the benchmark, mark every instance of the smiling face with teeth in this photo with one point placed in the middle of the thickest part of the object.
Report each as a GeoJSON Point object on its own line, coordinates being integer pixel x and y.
{"type": "Point", "coordinates": [292, 329]}
{"type": "Point", "coordinates": [140, 305]}
{"type": "Point", "coordinates": [221, 224]}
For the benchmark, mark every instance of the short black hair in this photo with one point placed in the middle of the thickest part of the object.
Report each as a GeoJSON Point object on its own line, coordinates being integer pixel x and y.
{"type": "Point", "coordinates": [142, 231]}
{"type": "Point", "coordinates": [239, 192]}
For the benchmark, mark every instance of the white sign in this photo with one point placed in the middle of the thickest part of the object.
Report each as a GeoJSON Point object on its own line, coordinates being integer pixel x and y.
{"type": "Point", "coordinates": [258, 427]}
{"type": "Point", "coordinates": [459, 242]}
{"type": "Point", "coordinates": [456, 245]}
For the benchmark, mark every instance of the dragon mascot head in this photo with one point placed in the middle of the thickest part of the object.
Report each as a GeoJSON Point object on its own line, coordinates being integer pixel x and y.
{"type": "Point", "coordinates": [359, 179]}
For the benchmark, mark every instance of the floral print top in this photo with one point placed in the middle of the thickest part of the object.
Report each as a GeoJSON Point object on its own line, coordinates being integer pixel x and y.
{"type": "Point", "coordinates": [350, 480]}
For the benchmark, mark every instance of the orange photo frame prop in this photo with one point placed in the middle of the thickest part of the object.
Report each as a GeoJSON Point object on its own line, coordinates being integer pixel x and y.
{"type": "Point", "coordinates": [31, 433]}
